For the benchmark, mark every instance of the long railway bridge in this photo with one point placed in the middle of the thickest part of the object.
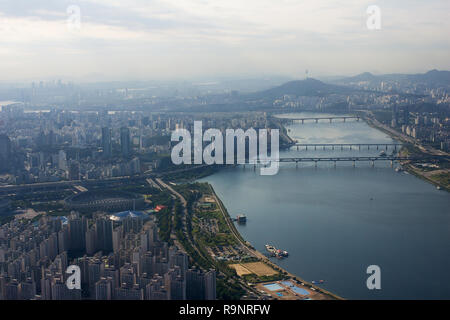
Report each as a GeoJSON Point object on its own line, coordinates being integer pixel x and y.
{"type": "Point", "coordinates": [354, 159]}
{"type": "Point", "coordinates": [370, 159]}
{"type": "Point", "coordinates": [316, 119]}
{"type": "Point", "coordinates": [60, 185]}
{"type": "Point", "coordinates": [345, 145]}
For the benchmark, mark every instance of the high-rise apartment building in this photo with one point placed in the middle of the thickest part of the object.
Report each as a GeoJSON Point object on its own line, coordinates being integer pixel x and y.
{"type": "Point", "coordinates": [125, 142]}
{"type": "Point", "coordinates": [106, 142]}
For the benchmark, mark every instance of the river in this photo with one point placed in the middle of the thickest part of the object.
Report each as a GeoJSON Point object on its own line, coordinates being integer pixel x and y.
{"type": "Point", "coordinates": [335, 222]}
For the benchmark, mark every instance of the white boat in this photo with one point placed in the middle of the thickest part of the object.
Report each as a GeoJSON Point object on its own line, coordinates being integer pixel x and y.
{"type": "Point", "coordinates": [276, 252]}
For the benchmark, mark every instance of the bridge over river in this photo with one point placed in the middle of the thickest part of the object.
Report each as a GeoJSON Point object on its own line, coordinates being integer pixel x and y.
{"type": "Point", "coordinates": [346, 145]}
{"type": "Point", "coordinates": [316, 119]}
{"type": "Point", "coordinates": [353, 159]}
{"type": "Point", "coordinates": [370, 159]}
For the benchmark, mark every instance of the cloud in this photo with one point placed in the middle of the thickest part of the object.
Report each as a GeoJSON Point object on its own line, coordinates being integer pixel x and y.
{"type": "Point", "coordinates": [182, 38]}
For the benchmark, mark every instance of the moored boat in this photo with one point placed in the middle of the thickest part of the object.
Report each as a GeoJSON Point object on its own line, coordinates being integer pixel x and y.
{"type": "Point", "coordinates": [278, 253]}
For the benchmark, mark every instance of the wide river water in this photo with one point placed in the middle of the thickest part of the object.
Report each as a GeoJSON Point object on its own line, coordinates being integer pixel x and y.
{"type": "Point", "coordinates": [335, 222]}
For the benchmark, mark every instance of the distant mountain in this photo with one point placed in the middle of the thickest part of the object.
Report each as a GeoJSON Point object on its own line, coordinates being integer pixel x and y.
{"type": "Point", "coordinates": [433, 77]}
{"type": "Point", "coordinates": [308, 87]}
{"type": "Point", "coordinates": [366, 76]}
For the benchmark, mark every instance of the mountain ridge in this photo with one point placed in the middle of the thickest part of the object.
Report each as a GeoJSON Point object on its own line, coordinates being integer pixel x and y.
{"type": "Point", "coordinates": [434, 76]}
{"type": "Point", "coordinates": [307, 87]}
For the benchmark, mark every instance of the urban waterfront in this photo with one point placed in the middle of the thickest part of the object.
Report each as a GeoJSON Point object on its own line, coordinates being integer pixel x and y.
{"type": "Point", "coordinates": [335, 222]}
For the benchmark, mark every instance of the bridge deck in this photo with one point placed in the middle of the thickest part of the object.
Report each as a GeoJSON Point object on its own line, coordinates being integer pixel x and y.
{"type": "Point", "coordinates": [345, 144]}
{"type": "Point", "coordinates": [350, 158]}
{"type": "Point", "coordinates": [324, 118]}
{"type": "Point", "coordinates": [374, 158]}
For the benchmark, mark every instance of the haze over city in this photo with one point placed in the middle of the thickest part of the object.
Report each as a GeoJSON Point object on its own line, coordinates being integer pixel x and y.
{"type": "Point", "coordinates": [241, 152]}
{"type": "Point", "coordinates": [148, 40]}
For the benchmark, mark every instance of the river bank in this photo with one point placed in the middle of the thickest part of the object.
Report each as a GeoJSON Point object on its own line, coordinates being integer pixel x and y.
{"type": "Point", "coordinates": [327, 218]}
{"type": "Point", "coordinates": [421, 174]}
{"type": "Point", "coordinates": [261, 256]}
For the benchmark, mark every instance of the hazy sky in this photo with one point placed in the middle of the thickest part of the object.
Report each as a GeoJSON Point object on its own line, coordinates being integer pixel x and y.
{"type": "Point", "coordinates": [180, 39]}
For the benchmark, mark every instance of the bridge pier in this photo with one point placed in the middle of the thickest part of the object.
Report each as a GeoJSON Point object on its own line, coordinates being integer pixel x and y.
{"type": "Point", "coordinates": [315, 147]}
{"type": "Point", "coordinates": [297, 148]}
{"type": "Point", "coordinates": [354, 163]}
{"type": "Point", "coordinates": [254, 167]}
{"type": "Point", "coordinates": [332, 147]}
{"type": "Point", "coordinates": [317, 120]}
{"type": "Point", "coordinates": [344, 119]}
{"type": "Point", "coordinates": [335, 163]}
{"type": "Point", "coordinates": [342, 147]}
{"type": "Point", "coordinates": [377, 147]}
{"type": "Point", "coordinates": [323, 147]}
{"type": "Point", "coordinates": [315, 164]}
{"type": "Point", "coordinates": [330, 119]}
{"type": "Point", "coordinates": [359, 147]}
{"type": "Point", "coordinates": [296, 164]}
{"type": "Point", "coordinates": [386, 147]}
{"type": "Point", "coordinates": [373, 163]}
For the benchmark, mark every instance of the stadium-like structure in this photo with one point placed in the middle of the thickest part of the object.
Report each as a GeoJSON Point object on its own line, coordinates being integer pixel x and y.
{"type": "Point", "coordinates": [108, 201]}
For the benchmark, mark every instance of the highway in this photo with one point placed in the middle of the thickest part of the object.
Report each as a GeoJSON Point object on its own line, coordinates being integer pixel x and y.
{"type": "Point", "coordinates": [72, 183]}
{"type": "Point", "coordinates": [184, 219]}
